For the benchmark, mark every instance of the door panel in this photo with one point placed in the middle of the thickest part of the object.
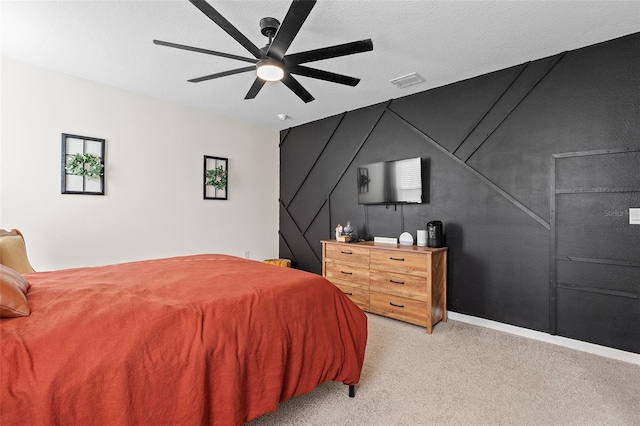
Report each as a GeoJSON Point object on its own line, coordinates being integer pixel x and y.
{"type": "Point", "coordinates": [594, 251]}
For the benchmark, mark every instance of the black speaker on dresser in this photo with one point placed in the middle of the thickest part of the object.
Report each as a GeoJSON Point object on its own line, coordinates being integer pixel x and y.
{"type": "Point", "coordinates": [434, 234]}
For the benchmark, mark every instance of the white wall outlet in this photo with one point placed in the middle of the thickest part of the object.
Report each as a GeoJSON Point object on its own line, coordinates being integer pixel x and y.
{"type": "Point", "coordinates": [634, 216]}
{"type": "Point", "coordinates": [245, 254]}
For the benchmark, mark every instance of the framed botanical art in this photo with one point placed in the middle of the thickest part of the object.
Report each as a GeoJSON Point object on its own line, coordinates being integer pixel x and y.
{"type": "Point", "coordinates": [216, 176]}
{"type": "Point", "coordinates": [83, 165]}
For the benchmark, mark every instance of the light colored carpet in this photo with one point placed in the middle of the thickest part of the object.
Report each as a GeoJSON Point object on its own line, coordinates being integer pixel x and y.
{"type": "Point", "coordinates": [464, 374]}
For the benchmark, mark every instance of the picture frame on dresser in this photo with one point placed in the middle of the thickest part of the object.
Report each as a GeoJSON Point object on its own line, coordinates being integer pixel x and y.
{"type": "Point", "coordinates": [407, 283]}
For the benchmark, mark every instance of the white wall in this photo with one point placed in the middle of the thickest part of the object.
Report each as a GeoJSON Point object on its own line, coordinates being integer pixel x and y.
{"type": "Point", "coordinates": [153, 205]}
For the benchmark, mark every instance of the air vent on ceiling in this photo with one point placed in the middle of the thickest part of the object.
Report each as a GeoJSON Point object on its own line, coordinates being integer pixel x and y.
{"type": "Point", "coordinates": [408, 80]}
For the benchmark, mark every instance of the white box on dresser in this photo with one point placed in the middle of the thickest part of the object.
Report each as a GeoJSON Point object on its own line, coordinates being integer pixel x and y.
{"type": "Point", "coordinates": [408, 283]}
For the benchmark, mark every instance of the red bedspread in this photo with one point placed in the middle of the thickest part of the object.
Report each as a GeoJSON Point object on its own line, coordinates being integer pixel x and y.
{"type": "Point", "coordinates": [206, 339]}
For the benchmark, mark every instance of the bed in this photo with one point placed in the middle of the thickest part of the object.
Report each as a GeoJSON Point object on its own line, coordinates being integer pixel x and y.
{"type": "Point", "coordinates": [203, 339]}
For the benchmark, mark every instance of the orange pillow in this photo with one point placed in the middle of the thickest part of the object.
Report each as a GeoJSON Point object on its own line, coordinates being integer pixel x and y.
{"type": "Point", "coordinates": [13, 294]}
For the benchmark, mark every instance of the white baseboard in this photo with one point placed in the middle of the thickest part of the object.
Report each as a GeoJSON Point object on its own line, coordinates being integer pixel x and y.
{"type": "Point", "coordinates": [605, 351]}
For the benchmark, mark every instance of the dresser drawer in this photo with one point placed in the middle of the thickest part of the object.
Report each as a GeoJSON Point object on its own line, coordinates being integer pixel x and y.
{"type": "Point", "coordinates": [400, 308]}
{"type": "Point", "coordinates": [401, 261]}
{"type": "Point", "coordinates": [351, 274]}
{"type": "Point", "coordinates": [405, 285]}
{"type": "Point", "coordinates": [348, 253]}
{"type": "Point", "coordinates": [357, 295]}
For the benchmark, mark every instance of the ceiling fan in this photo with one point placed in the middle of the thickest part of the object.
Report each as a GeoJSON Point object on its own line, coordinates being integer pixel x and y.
{"type": "Point", "coordinates": [271, 63]}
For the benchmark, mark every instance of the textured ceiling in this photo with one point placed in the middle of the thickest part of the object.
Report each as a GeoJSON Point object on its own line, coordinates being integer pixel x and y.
{"type": "Point", "coordinates": [444, 41]}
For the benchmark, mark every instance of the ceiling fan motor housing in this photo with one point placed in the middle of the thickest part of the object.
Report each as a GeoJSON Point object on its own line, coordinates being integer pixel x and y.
{"type": "Point", "coordinates": [269, 26]}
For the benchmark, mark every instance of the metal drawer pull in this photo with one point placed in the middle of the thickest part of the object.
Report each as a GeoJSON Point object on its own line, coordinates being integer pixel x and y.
{"type": "Point", "coordinates": [348, 294]}
{"type": "Point", "coordinates": [396, 282]}
{"type": "Point", "coordinates": [397, 306]}
{"type": "Point", "coordinates": [346, 252]}
{"type": "Point", "coordinates": [397, 258]}
{"type": "Point", "coordinates": [346, 273]}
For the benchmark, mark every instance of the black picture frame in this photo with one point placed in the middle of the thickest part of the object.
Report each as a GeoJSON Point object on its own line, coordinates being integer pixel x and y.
{"type": "Point", "coordinates": [210, 192]}
{"type": "Point", "coordinates": [75, 184]}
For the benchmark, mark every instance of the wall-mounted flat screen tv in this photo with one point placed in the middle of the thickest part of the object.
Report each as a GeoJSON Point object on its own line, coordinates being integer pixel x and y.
{"type": "Point", "coordinates": [390, 182]}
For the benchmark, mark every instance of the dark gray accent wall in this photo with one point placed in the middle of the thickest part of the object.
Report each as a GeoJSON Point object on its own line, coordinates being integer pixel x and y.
{"type": "Point", "coordinates": [532, 169]}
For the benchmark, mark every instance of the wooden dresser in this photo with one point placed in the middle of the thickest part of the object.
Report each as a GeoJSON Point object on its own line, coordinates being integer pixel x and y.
{"type": "Point", "coordinates": [408, 283]}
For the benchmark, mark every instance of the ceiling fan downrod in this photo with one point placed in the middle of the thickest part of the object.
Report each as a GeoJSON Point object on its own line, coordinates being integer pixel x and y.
{"type": "Point", "coordinates": [269, 27]}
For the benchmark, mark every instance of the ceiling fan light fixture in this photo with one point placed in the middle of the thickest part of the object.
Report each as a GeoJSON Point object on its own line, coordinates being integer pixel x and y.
{"type": "Point", "coordinates": [270, 70]}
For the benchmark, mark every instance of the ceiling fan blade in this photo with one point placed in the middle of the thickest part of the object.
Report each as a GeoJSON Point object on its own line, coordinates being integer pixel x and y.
{"type": "Point", "coordinates": [255, 88]}
{"type": "Point", "coordinates": [324, 75]}
{"type": "Point", "coordinates": [208, 52]}
{"type": "Point", "coordinates": [216, 17]}
{"type": "Point", "coordinates": [329, 52]}
{"type": "Point", "coordinates": [297, 88]}
{"type": "Point", "coordinates": [297, 14]}
{"type": "Point", "coordinates": [221, 74]}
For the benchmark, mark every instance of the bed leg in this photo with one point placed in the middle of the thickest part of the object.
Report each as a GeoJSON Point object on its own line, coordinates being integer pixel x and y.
{"type": "Point", "coordinates": [352, 391]}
